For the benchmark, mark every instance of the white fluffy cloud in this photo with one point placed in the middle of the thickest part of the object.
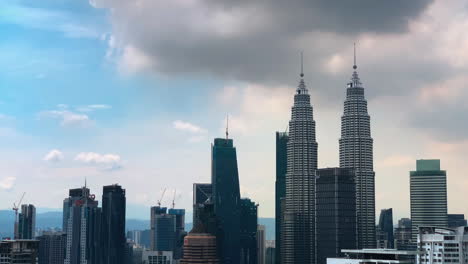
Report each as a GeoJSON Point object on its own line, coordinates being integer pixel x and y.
{"type": "Point", "coordinates": [66, 117]}
{"type": "Point", "coordinates": [93, 107]}
{"type": "Point", "coordinates": [186, 126]}
{"type": "Point", "coordinates": [104, 161]}
{"type": "Point", "coordinates": [7, 183]}
{"type": "Point", "coordinates": [54, 156]}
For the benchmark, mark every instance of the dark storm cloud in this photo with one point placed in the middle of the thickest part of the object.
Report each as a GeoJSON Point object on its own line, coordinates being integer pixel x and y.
{"type": "Point", "coordinates": [250, 40]}
{"type": "Point", "coordinates": [348, 17]}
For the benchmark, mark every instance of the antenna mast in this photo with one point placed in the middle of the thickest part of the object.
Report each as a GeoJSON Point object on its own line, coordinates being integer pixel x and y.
{"type": "Point", "coordinates": [227, 127]}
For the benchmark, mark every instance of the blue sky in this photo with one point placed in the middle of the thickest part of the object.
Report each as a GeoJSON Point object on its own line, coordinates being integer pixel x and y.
{"type": "Point", "coordinates": [133, 92]}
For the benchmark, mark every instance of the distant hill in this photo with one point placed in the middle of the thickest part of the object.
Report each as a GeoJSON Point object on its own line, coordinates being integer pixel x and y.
{"type": "Point", "coordinates": [48, 220]}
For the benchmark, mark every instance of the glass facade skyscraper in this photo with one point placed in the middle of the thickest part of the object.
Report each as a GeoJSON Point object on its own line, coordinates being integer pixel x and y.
{"type": "Point", "coordinates": [356, 151]}
{"type": "Point", "coordinates": [335, 212]}
{"type": "Point", "coordinates": [248, 229]}
{"type": "Point", "coordinates": [385, 229]}
{"type": "Point", "coordinates": [113, 224]}
{"type": "Point", "coordinates": [428, 192]}
{"type": "Point", "coordinates": [226, 199]}
{"type": "Point", "coordinates": [280, 187]}
{"type": "Point", "coordinates": [298, 231]}
{"type": "Point", "coordinates": [163, 229]}
{"type": "Point", "coordinates": [27, 222]}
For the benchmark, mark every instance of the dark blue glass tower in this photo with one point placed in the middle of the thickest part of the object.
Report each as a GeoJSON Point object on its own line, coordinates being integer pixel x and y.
{"type": "Point", "coordinates": [280, 187]}
{"type": "Point", "coordinates": [248, 228]}
{"type": "Point", "coordinates": [385, 229]}
{"type": "Point", "coordinates": [226, 199]}
{"type": "Point", "coordinates": [113, 224]}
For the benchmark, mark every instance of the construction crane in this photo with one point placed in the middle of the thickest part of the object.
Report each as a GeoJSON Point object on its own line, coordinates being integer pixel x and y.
{"type": "Point", "coordinates": [15, 208]}
{"type": "Point", "coordinates": [162, 196]}
{"type": "Point", "coordinates": [173, 199]}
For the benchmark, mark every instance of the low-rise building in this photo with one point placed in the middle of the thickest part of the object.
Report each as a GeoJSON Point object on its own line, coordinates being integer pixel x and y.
{"type": "Point", "coordinates": [157, 257]}
{"type": "Point", "coordinates": [443, 245]}
{"type": "Point", "coordinates": [21, 251]}
{"type": "Point", "coordinates": [374, 256]}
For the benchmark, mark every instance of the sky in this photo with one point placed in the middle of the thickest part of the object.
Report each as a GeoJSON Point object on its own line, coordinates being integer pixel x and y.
{"type": "Point", "coordinates": [133, 92]}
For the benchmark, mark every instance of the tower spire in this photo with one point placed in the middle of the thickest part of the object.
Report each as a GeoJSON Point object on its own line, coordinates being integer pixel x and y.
{"type": "Point", "coordinates": [302, 65]}
{"type": "Point", "coordinates": [227, 127]}
{"type": "Point", "coordinates": [355, 66]}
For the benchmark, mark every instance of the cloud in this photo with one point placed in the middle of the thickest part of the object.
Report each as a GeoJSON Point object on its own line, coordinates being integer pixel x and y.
{"type": "Point", "coordinates": [7, 183]}
{"type": "Point", "coordinates": [251, 40]}
{"type": "Point", "coordinates": [104, 161]}
{"type": "Point", "coordinates": [186, 126]}
{"type": "Point", "coordinates": [31, 17]}
{"type": "Point", "coordinates": [66, 117]}
{"type": "Point", "coordinates": [93, 107]}
{"type": "Point", "coordinates": [54, 156]}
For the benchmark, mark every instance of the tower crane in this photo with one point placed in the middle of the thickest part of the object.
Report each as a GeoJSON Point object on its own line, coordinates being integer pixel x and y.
{"type": "Point", "coordinates": [173, 199]}
{"type": "Point", "coordinates": [15, 208]}
{"type": "Point", "coordinates": [162, 196]}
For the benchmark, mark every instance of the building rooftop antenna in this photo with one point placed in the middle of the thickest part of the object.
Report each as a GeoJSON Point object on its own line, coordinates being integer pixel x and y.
{"type": "Point", "coordinates": [227, 127]}
{"type": "Point", "coordinates": [355, 65]}
{"type": "Point", "coordinates": [302, 64]}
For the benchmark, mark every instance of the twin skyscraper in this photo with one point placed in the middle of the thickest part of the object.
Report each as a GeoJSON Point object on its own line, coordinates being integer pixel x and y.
{"type": "Point", "coordinates": [343, 198]}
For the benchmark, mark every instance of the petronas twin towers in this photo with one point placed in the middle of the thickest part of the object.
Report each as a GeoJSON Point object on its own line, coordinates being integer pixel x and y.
{"type": "Point", "coordinates": [298, 240]}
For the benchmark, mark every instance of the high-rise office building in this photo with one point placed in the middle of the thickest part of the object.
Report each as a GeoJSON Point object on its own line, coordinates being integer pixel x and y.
{"type": "Point", "coordinates": [163, 229]}
{"type": "Point", "coordinates": [356, 151]}
{"type": "Point", "coordinates": [248, 231]}
{"type": "Point", "coordinates": [403, 235]}
{"type": "Point", "coordinates": [261, 247]}
{"type": "Point", "coordinates": [335, 194]}
{"type": "Point", "coordinates": [456, 220]}
{"type": "Point", "coordinates": [83, 230]}
{"type": "Point", "coordinates": [27, 222]}
{"type": "Point", "coordinates": [428, 192]}
{"type": "Point", "coordinates": [179, 231]}
{"type": "Point", "coordinates": [280, 186]}
{"type": "Point", "coordinates": [21, 251]}
{"type": "Point", "coordinates": [157, 257]}
{"type": "Point", "coordinates": [385, 229]}
{"type": "Point", "coordinates": [52, 247]}
{"type": "Point", "coordinates": [226, 199]}
{"type": "Point", "coordinates": [298, 231]}
{"type": "Point", "coordinates": [270, 252]}
{"type": "Point", "coordinates": [73, 196]}
{"type": "Point", "coordinates": [201, 193]}
{"type": "Point", "coordinates": [113, 224]}
{"type": "Point", "coordinates": [200, 245]}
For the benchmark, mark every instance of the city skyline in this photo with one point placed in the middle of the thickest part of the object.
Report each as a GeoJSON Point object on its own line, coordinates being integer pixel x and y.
{"type": "Point", "coordinates": [90, 102]}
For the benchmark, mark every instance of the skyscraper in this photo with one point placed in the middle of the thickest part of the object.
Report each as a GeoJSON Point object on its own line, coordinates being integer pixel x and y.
{"type": "Point", "coordinates": [27, 222]}
{"type": "Point", "coordinates": [280, 187]}
{"type": "Point", "coordinates": [261, 247]}
{"type": "Point", "coordinates": [83, 230]}
{"type": "Point", "coordinates": [201, 193]}
{"type": "Point", "coordinates": [385, 229]}
{"type": "Point", "coordinates": [21, 251]}
{"type": "Point", "coordinates": [52, 248]}
{"type": "Point", "coordinates": [335, 193]}
{"type": "Point", "coordinates": [73, 196]}
{"type": "Point", "coordinates": [226, 199]}
{"type": "Point", "coordinates": [248, 231]}
{"type": "Point", "coordinates": [356, 151]}
{"type": "Point", "coordinates": [163, 229]}
{"type": "Point", "coordinates": [200, 247]}
{"type": "Point", "coordinates": [179, 231]}
{"type": "Point", "coordinates": [428, 192]}
{"type": "Point", "coordinates": [113, 224]}
{"type": "Point", "coordinates": [298, 231]}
